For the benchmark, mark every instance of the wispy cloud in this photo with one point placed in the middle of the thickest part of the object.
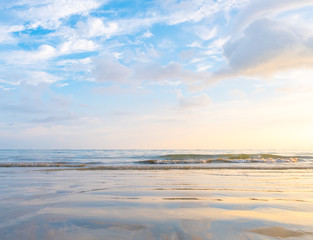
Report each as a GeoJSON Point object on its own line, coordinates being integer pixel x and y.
{"type": "Point", "coordinates": [48, 14]}
{"type": "Point", "coordinates": [266, 8]}
{"type": "Point", "coordinates": [30, 77]}
{"type": "Point", "coordinates": [110, 70]}
{"type": "Point", "coordinates": [195, 11]}
{"type": "Point", "coordinates": [95, 27]}
{"type": "Point", "coordinates": [44, 52]}
{"type": "Point", "coordinates": [6, 33]}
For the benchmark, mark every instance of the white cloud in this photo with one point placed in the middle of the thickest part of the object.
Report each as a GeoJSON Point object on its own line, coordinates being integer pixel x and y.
{"type": "Point", "coordinates": [189, 11]}
{"type": "Point", "coordinates": [46, 52]}
{"type": "Point", "coordinates": [62, 85]}
{"type": "Point", "coordinates": [260, 45]}
{"type": "Point", "coordinates": [195, 44]}
{"type": "Point", "coordinates": [196, 60]}
{"type": "Point", "coordinates": [77, 45]}
{"type": "Point", "coordinates": [95, 27]}
{"type": "Point", "coordinates": [217, 45]}
{"type": "Point", "coordinates": [166, 83]}
{"type": "Point", "coordinates": [6, 33]}
{"type": "Point", "coordinates": [147, 34]}
{"type": "Point", "coordinates": [22, 57]}
{"type": "Point", "coordinates": [30, 77]}
{"type": "Point", "coordinates": [205, 33]}
{"type": "Point", "coordinates": [117, 55]}
{"type": "Point", "coordinates": [203, 67]}
{"type": "Point", "coordinates": [196, 10]}
{"type": "Point", "coordinates": [108, 70]}
{"type": "Point", "coordinates": [6, 88]}
{"type": "Point", "coordinates": [266, 47]}
{"type": "Point", "coordinates": [36, 77]}
{"type": "Point", "coordinates": [49, 13]}
{"type": "Point", "coordinates": [29, 67]}
{"type": "Point", "coordinates": [261, 8]}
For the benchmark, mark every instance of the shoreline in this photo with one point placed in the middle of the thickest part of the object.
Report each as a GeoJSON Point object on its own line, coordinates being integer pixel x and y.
{"type": "Point", "coordinates": [173, 204]}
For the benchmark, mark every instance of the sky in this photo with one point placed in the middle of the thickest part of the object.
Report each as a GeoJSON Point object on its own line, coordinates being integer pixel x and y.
{"type": "Point", "coordinates": [156, 74]}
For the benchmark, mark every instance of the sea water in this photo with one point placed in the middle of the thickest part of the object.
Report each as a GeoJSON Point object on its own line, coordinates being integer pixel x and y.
{"type": "Point", "coordinates": [156, 194]}
{"type": "Point", "coordinates": [157, 159]}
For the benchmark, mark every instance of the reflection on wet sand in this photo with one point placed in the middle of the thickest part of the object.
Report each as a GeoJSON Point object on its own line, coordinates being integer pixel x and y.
{"type": "Point", "coordinates": [217, 204]}
{"type": "Point", "coordinates": [182, 198]}
{"type": "Point", "coordinates": [279, 232]}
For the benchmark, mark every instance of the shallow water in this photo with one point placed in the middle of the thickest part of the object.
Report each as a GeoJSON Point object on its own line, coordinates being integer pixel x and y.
{"type": "Point", "coordinates": [156, 204]}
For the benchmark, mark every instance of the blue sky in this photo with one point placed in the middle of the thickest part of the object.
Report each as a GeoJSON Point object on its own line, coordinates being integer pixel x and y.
{"type": "Point", "coordinates": [156, 74]}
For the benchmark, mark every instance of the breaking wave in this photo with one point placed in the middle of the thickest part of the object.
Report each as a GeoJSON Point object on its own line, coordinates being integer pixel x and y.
{"type": "Point", "coordinates": [41, 164]}
{"type": "Point", "coordinates": [136, 160]}
{"type": "Point", "coordinates": [220, 158]}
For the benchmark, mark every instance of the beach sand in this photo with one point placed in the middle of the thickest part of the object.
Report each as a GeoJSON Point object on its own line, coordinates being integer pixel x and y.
{"type": "Point", "coordinates": [156, 204]}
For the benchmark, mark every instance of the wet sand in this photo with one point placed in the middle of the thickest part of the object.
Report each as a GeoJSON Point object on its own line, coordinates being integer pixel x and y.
{"type": "Point", "coordinates": [156, 204]}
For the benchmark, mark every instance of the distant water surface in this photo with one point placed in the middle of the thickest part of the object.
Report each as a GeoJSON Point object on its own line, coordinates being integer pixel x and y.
{"type": "Point", "coordinates": [156, 159]}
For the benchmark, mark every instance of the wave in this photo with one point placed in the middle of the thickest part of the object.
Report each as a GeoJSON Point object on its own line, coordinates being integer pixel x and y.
{"type": "Point", "coordinates": [226, 156]}
{"type": "Point", "coordinates": [185, 167]}
{"type": "Point", "coordinates": [177, 161]}
{"type": "Point", "coordinates": [219, 158]}
{"type": "Point", "coordinates": [41, 164]}
{"type": "Point", "coordinates": [83, 167]}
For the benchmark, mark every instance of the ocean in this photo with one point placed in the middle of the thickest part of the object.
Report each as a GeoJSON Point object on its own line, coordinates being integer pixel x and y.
{"type": "Point", "coordinates": [156, 194]}
{"type": "Point", "coordinates": [157, 159]}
